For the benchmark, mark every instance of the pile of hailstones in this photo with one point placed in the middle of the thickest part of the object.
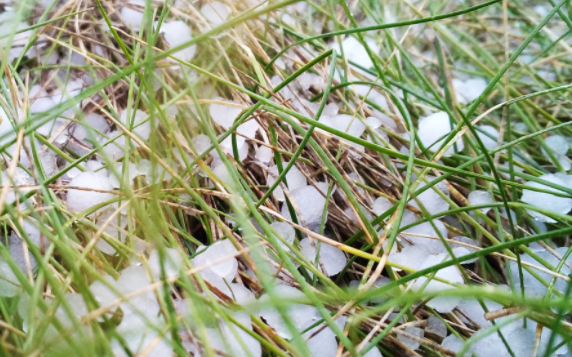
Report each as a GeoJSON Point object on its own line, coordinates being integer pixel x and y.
{"type": "Point", "coordinates": [142, 320]}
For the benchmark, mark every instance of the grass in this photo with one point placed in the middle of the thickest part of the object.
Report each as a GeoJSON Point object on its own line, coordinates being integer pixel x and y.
{"type": "Point", "coordinates": [253, 58]}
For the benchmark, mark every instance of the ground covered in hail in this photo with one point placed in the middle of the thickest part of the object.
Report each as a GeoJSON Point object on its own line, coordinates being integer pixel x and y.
{"type": "Point", "coordinates": [325, 178]}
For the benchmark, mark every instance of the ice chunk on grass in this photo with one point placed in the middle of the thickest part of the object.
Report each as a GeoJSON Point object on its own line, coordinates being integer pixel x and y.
{"type": "Point", "coordinates": [334, 259]}
{"type": "Point", "coordinates": [215, 12]}
{"type": "Point", "coordinates": [433, 130]}
{"type": "Point", "coordinates": [294, 178]}
{"type": "Point", "coordinates": [172, 263]}
{"type": "Point", "coordinates": [216, 251]}
{"type": "Point", "coordinates": [81, 200]}
{"type": "Point", "coordinates": [480, 198]}
{"type": "Point", "coordinates": [547, 201]}
{"type": "Point", "coordinates": [409, 342]}
{"type": "Point", "coordinates": [311, 204]}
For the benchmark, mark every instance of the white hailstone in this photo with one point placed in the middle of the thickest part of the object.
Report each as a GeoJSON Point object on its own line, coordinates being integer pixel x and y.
{"type": "Point", "coordinates": [454, 344]}
{"type": "Point", "coordinates": [374, 352]}
{"type": "Point", "coordinates": [479, 198]}
{"type": "Point", "coordinates": [436, 326]}
{"type": "Point", "coordinates": [137, 121]}
{"type": "Point", "coordinates": [265, 154]}
{"type": "Point", "coordinates": [71, 173]}
{"type": "Point", "coordinates": [332, 109]}
{"type": "Point", "coordinates": [531, 284]}
{"type": "Point", "coordinates": [490, 140]}
{"type": "Point", "coordinates": [227, 145]}
{"type": "Point", "coordinates": [130, 174]}
{"type": "Point", "coordinates": [345, 123]}
{"type": "Point", "coordinates": [221, 249]}
{"type": "Point", "coordinates": [55, 126]}
{"type": "Point", "coordinates": [132, 13]}
{"type": "Point", "coordinates": [42, 104]}
{"type": "Point", "coordinates": [412, 256]}
{"type": "Point", "coordinates": [294, 178]}
{"type": "Point", "coordinates": [20, 178]}
{"type": "Point", "coordinates": [142, 340]}
{"type": "Point", "coordinates": [433, 130]}
{"type": "Point", "coordinates": [469, 90]}
{"type": "Point", "coordinates": [20, 250]}
{"type": "Point", "coordinates": [419, 234]}
{"type": "Point", "coordinates": [144, 167]}
{"type": "Point", "coordinates": [239, 293]}
{"type": "Point", "coordinates": [311, 204]}
{"type": "Point", "coordinates": [176, 33]}
{"type": "Point", "coordinates": [9, 284]}
{"type": "Point", "coordinates": [334, 259]}
{"type": "Point", "coordinates": [409, 342]}
{"type": "Point", "coordinates": [492, 342]}
{"type": "Point", "coordinates": [372, 95]}
{"type": "Point", "coordinates": [521, 341]}
{"type": "Point", "coordinates": [373, 122]}
{"type": "Point", "coordinates": [520, 127]}
{"type": "Point", "coordinates": [442, 304]}
{"type": "Point", "coordinates": [172, 262]}
{"type": "Point", "coordinates": [70, 90]}
{"type": "Point", "coordinates": [133, 279]}
{"type": "Point", "coordinates": [323, 187]}
{"type": "Point", "coordinates": [222, 173]}
{"type": "Point", "coordinates": [461, 250]}
{"type": "Point", "coordinates": [301, 315]}
{"type": "Point", "coordinates": [285, 231]}
{"type": "Point", "coordinates": [95, 124]}
{"type": "Point", "coordinates": [215, 12]}
{"type": "Point", "coordinates": [407, 219]}
{"type": "Point", "coordinates": [81, 200]}
{"type": "Point", "coordinates": [557, 143]}
{"type": "Point", "coordinates": [102, 293]}
{"type": "Point", "coordinates": [231, 339]}
{"type": "Point", "coordinates": [248, 128]}
{"type": "Point", "coordinates": [381, 205]}
{"type": "Point", "coordinates": [7, 132]}
{"type": "Point", "coordinates": [311, 81]}
{"type": "Point", "coordinates": [114, 150]}
{"type": "Point", "coordinates": [95, 166]}
{"type": "Point", "coordinates": [354, 51]}
{"type": "Point", "coordinates": [559, 147]}
{"type": "Point", "coordinates": [565, 178]}
{"type": "Point", "coordinates": [430, 199]}
{"type": "Point", "coordinates": [153, 174]}
{"type": "Point", "coordinates": [111, 229]}
{"type": "Point", "coordinates": [546, 201]}
{"type": "Point", "coordinates": [19, 40]}
{"type": "Point", "coordinates": [474, 311]}
{"type": "Point", "coordinates": [324, 343]}
{"type": "Point", "coordinates": [201, 143]}
{"type": "Point", "coordinates": [224, 115]}
{"type": "Point", "coordinates": [77, 305]}
{"type": "Point", "coordinates": [48, 161]}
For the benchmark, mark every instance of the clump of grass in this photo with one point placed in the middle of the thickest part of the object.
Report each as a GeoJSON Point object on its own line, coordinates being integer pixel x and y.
{"type": "Point", "coordinates": [255, 189]}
